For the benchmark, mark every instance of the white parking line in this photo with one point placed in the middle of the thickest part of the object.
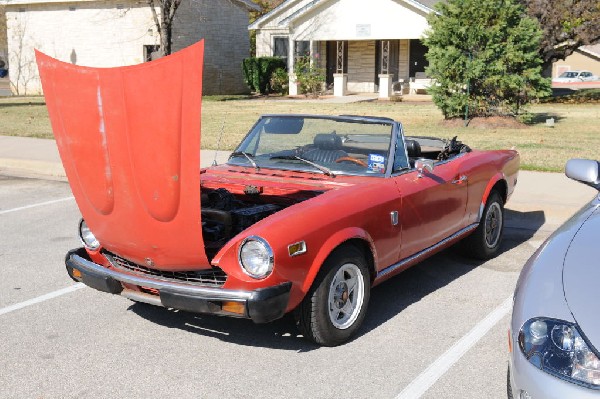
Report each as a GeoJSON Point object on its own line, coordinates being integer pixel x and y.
{"type": "Point", "coordinates": [39, 299]}
{"type": "Point", "coordinates": [21, 208]}
{"type": "Point", "coordinates": [427, 378]}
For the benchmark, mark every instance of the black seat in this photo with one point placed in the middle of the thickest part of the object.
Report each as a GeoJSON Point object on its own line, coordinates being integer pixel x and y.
{"type": "Point", "coordinates": [413, 148]}
{"type": "Point", "coordinates": [327, 148]}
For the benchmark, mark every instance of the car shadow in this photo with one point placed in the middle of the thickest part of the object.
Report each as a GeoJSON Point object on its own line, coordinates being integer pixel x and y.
{"type": "Point", "coordinates": [442, 269]}
{"type": "Point", "coordinates": [385, 303]}
{"type": "Point", "coordinates": [280, 334]}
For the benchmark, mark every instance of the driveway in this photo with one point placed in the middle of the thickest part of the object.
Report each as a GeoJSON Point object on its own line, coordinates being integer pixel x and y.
{"type": "Point", "coordinates": [436, 331]}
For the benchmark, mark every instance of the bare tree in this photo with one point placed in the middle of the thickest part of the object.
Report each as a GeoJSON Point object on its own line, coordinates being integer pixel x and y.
{"type": "Point", "coordinates": [23, 70]}
{"type": "Point", "coordinates": [164, 23]}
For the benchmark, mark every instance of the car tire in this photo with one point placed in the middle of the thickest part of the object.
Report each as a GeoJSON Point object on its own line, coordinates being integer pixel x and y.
{"type": "Point", "coordinates": [335, 306]}
{"type": "Point", "coordinates": [485, 242]}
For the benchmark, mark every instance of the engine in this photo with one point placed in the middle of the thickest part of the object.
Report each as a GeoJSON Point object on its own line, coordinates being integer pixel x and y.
{"type": "Point", "coordinates": [224, 216]}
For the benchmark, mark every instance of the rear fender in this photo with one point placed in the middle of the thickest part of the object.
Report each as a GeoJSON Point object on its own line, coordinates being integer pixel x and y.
{"type": "Point", "coordinates": [330, 245]}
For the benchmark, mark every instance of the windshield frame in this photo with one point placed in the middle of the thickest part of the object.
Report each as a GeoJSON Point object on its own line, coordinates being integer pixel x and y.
{"type": "Point", "coordinates": [396, 140]}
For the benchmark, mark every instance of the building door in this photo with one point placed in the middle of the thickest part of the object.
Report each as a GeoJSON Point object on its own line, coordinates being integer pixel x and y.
{"type": "Point", "coordinates": [418, 62]}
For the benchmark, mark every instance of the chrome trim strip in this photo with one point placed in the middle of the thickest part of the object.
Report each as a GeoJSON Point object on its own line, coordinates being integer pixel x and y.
{"type": "Point", "coordinates": [426, 251]}
{"type": "Point", "coordinates": [186, 289]}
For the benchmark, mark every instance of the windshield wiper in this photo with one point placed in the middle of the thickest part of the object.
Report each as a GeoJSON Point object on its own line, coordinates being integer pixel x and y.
{"type": "Point", "coordinates": [248, 157]}
{"type": "Point", "coordinates": [326, 171]}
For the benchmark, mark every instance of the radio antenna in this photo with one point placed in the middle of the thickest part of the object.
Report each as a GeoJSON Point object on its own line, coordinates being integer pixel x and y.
{"type": "Point", "coordinates": [219, 140]}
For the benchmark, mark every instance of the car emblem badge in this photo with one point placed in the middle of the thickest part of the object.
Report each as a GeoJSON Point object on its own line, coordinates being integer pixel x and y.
{"type": "Point", "coordinates": [149, 262]}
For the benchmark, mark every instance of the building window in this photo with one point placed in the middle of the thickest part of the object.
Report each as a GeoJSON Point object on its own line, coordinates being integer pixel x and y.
{"type": "Point", "coordinates": [151, 52]}
{"type": "Point", "coordinates": [302, 48]}
{"type": "Point", "coordinates": [280, 47]}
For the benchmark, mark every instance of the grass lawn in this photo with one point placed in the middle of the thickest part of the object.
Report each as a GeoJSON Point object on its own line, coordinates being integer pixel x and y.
{"type": "Point", "coordinates": [576, 132]}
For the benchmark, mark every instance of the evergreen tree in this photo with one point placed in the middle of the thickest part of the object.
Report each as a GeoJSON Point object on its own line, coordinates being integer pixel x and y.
{"type": "Point", "coordinates": [484, 56]}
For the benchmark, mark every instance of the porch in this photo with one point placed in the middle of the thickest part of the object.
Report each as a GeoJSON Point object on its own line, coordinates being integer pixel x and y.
{"type": "Point", "coordinates": [361, 66]}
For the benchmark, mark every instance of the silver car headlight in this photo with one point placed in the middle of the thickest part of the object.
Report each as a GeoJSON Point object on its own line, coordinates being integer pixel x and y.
{"type": "Point", "coordinates": [256, 257]}
{"type": "Point", "coordinates": [87, 237]}
{"type": "Point", "coordinates": [558, 348]}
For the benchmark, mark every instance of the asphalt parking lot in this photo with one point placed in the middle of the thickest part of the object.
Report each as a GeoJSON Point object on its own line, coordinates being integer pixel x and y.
{"type": "Point", "coordinates": [436, 331]}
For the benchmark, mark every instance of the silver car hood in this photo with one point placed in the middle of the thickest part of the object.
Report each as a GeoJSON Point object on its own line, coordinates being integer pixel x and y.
{"type": "Point", "coordinates": [581, 278]}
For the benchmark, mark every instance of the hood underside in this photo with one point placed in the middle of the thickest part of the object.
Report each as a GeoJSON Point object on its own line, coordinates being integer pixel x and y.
{"type": "Point", "coordinates": [129, 140]}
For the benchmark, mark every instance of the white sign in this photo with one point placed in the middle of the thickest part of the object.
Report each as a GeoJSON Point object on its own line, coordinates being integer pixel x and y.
{"type": "Point", "coordinates": [363, 30]}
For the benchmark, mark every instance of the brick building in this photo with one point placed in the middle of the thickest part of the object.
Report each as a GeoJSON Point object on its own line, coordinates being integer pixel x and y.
{"type": "Point", "coordinates": [107, 33]}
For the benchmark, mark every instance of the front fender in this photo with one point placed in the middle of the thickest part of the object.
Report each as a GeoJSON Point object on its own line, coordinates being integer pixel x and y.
{"type": "Point", "coordinates": [488, 189]}
{"type": "Point", "coordinates": [330, 245]}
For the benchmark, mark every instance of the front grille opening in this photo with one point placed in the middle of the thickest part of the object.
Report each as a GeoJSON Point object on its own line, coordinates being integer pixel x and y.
{"type": "Point", "coordinates": [214, 277]}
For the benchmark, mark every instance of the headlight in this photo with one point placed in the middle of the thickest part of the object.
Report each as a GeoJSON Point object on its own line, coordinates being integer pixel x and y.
{"type": "Point", "coordinates": [87, 237]}
{"type": "Point", "coordinates": [558, 348]}
{"type": "Point", "coordinates": [256, 257]}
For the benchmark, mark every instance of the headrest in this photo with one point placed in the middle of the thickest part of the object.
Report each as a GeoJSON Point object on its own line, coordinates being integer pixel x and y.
{"type": "Point", "coordinates": [325, 141]}
{"type": "Point", "coordinates": [283, 125]}
{"type": "Point", "coordinates": [413, 148]}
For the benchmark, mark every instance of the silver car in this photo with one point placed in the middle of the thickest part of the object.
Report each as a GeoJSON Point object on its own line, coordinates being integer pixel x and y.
{"type": "Point", "coordinates": [554, 333]}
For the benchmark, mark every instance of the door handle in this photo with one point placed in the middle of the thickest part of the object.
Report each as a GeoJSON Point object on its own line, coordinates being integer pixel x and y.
{"type": "Point", "coordinates": [460, 180]}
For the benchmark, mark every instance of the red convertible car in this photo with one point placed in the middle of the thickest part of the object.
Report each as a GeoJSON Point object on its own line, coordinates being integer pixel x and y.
{"type": "Point", "coordinates": [307, 215]}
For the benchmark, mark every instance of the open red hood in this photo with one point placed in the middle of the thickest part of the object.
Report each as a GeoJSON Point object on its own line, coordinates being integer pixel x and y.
{"type": "Point", "coordinates": [129, 140]}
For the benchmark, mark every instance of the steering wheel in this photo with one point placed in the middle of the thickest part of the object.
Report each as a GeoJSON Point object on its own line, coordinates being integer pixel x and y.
{"type": "Point", "coordinates": [353, 160]}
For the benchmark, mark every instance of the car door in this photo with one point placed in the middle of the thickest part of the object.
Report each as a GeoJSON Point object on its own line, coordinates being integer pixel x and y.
{"type": "Point", "coordinates": [432, 205]}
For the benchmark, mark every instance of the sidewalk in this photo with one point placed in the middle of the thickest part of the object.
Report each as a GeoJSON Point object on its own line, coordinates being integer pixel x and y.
{"type": "Point", "coordinates": [540, 199]}
{"type": "Point", "coordinates": [30, 157]}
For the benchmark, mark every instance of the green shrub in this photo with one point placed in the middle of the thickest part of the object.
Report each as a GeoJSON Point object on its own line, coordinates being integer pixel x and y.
{"type": "Point", "coordinates": [280, 81]}
{"type": "Point", "coordinates": [309, 76]}
{"type": "Point", "coordinates": [258, 70]}
{"type": "Point", "coordinates": [581, 96]}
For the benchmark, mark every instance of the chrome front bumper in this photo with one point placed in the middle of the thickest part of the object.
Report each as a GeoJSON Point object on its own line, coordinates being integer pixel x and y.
{"type": "Point", "coordinates": [261, 305]}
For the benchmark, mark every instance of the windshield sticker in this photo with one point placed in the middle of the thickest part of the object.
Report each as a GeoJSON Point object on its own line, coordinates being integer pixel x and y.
{"type": "Point", "coordinates": [377, 163]}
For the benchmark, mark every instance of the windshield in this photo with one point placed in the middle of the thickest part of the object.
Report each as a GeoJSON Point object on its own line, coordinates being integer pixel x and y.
{"type": "Point", "coordinates": [328, 145]}
{"type": "Point", "coordinates": [568, 75]}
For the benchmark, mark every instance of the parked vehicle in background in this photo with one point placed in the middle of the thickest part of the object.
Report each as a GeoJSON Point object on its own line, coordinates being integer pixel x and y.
{"type": "Point", "coordinates": [554, 333]}
{"type": "Point", "coordinates": [307, 215]}
{"type": "Point", "coordinates": [575, 76]}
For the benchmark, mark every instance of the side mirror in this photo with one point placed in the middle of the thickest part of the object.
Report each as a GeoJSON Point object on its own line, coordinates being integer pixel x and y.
{"type": "Point", "coordinates": [586, 171]}
{"type": "Point", "coordinates": [423, 164]}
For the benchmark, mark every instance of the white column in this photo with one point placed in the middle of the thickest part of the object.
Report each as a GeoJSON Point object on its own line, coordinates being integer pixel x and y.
{"type": "Point", "coordinates": [385, 85]}
{"type": "Point", "coordinates": [293, 84]}
{"type": "Point", "coordinates": [340, 82]}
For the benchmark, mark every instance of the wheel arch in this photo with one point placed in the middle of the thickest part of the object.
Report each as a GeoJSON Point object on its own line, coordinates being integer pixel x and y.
{"type": "Point", "coordinates": [497, 183]}
{"type": "Point", "coordinates": [355, 237]}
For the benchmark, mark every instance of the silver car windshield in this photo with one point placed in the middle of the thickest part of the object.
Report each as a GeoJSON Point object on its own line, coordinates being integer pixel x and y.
{"type": "Point", "coordinates": [328, 145]}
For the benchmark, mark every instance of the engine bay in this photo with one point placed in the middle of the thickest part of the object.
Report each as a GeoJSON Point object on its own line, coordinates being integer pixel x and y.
{"type": "Point", "coordinates": [225, 214]}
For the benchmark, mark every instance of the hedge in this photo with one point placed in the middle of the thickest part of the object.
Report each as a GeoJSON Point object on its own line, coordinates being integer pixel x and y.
{"type": "Point", "coordinates": [258, 71]}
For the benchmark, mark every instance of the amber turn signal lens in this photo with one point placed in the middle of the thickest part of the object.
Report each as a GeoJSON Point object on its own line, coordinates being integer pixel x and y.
{"type": "Point", "coordinates": [297, 248]}
{"type": "Point", "coordinates": [234, 307]}
{"type": "Point", "coordinates": [76, 273]}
